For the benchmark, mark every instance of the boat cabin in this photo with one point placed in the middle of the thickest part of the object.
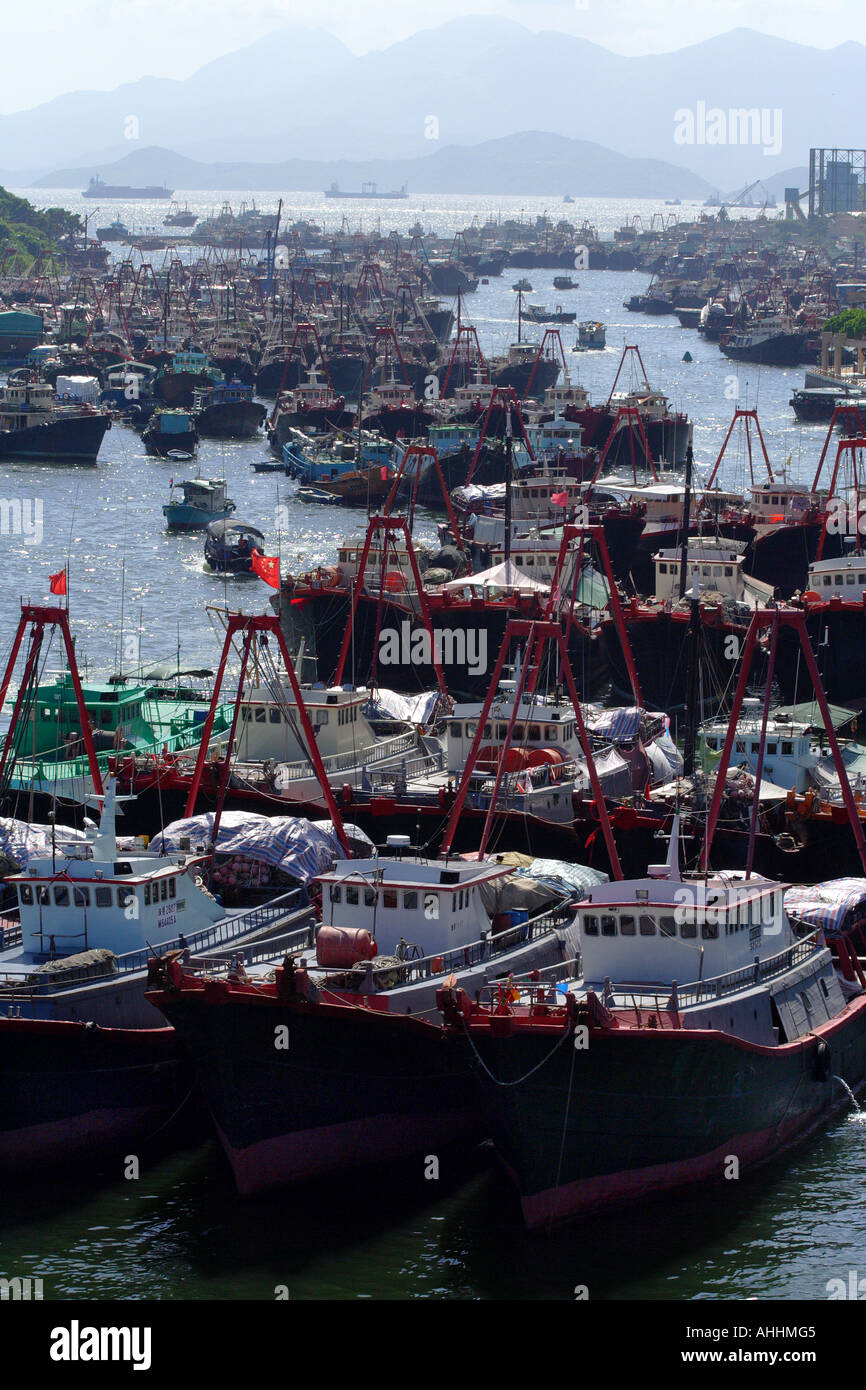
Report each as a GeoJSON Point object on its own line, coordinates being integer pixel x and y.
{"type": "Point", "coordinates": [844, 578]}
{"type": "Point", "coordinates": [271, 729]}
{"type": "Point", "coordinates": [427, 904]}
{"type": "Point", "coordinates": [716, 566]}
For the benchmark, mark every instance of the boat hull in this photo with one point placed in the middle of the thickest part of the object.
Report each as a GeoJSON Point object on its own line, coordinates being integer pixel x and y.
{"type": "Point", "coordinates": [72, 1090]}
{"type": "Point", "coordinates": [646, 1111]}
{"type": "Point", "coordinates": [73, 441]}
{"type": "Point", "coordinates": [356, 1086]}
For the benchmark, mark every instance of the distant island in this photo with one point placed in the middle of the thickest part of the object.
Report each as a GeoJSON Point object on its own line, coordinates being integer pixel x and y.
{"type": "Point", "coordinates": [531, 163]}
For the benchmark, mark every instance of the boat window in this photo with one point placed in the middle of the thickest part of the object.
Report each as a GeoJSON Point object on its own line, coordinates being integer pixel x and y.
{"type": "Point", "coordinates": [389, 897]}
{"type": "Point", "coordinates": [260, 715]}
{"type": "Point", "coordinates": [352, 897]}
{"type": "Point", "coordinates": [26, 894]}
{"type": "Point", "coordinates": [688, 930]}
{"type": "Point", "coordinates": [729, 570]}
{"type": "Point", "coordinates": [709, 930]}
{"type": "Point", "coordinates": [663, 569]}
{"type": "Point", "coordinates": [518, 559]}
{"type": "Point", "coordinates": [849, 579]}
{"type": "Point", "coordinates": [322, 716]}
{"type": "Point", "coordinates": [163, 891]}
{"type": "Point", "coordinates": [501, 730]}
{"type": "Point", "coordinates": [471, 726]}
{"type": "Point", "coordinates": [81, 897]}
{"type": "Point", "coordinates": [626, 925]}
{"type": "Point", "coordinates": [740, 745]}
{"type": "Point", "coordinates": [534, 732]}
{"type": "Point", "coordinates": [274, 715]}
{"type": "Point", "coordinates": [336, 893]}
{"type": "Point", "coordinates": [647, 925]}
{"type": "Point", "coordinates": [806, 1001]}
{"type": "Point", "coordinates": [608, 926]}
{"type": "Point", "coordinates": [147, 895]}
{"type": "Point", "coordinates": [43, 897]}
{"type": "Point", "coordinates": [667, 926]}
{"type": "Point", "coordinates": [456, 729]}
{"type": "Point", "coordinates": [827, 581]}
{"type": "Point", "coordinates": [756, 747]}
{"type": "Point", "coordinates": [123, 868]}
{"type": "Point", "coordinates": [410, 901]}
{"type": "Point", "coordinates": [838, 580]}
{"type": "Point", "coordinates": [124, 897]}
{"type": "Point", "coordinates": [369, 897]}
{"type": "Point", "coordinates": [861, 578]}
{"type": "Point", "coordinates": [590, 926]}
{"type": "Point", "coordinates": [61, 895]}
{"type": "Point", "coordinates": [172, 887]}
{"type": "Point", "coordinates": [824, 990]}
{"type": "Point", "coordinates": [245, 714]}
{"type": "Point", "coordinates": [103, 896]}
{"type": "Point", "coordinates": [488, 729]}
{"type": "Point", "coordinates": [712, 743]}
{"type": "Point", "coordinates": [787, 749]}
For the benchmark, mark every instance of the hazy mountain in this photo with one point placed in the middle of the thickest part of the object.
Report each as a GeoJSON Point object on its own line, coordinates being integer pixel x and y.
{"type": "Point", "coordinates": [300, 94]}
{"type": "Point", "coordinates": [529, 162]}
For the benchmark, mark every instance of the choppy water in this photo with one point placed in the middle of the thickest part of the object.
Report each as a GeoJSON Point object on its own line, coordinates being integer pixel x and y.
{"type": "Point", "coordinates": [180, 1231]}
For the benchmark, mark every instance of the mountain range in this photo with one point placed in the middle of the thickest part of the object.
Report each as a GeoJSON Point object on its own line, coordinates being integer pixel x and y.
{"type": "Point", "coordinates": [300, 94]}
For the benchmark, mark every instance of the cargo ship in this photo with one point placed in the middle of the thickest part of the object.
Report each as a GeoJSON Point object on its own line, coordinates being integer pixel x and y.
{"type": "Point", "coordinates": [368, 190]}
{"type": "Point", "coordinates": [97, 189]}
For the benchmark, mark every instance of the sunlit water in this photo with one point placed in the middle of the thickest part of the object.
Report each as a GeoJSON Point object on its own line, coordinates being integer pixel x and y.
{"type": "Point", "coordinates": [180, 1231]}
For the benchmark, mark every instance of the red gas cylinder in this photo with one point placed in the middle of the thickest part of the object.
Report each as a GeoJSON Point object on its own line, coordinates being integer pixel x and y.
{"type": "Point", "coordinates": [342, 947]}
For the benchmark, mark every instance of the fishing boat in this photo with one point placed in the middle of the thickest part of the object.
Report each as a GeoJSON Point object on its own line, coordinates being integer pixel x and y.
{"type": "Point", "coordinates": [85, 1068]}
{"type": "Point", "coordinates": [178, 216]}
{"type": "Point", "coordinates": [229, 546]}
{"type": "Point", "coordinates": [227, 411]}
{"type": "Point", "coordinates": [591, 336]}
{"type": "Point", "coordinates": [35, 425]}
{"type": "Point", "coordinates": [369, 1076]}
{"type": "Point", "coordinates": [170, 431]}
{"type": "Point", "coordinates": [203, 501]}
{"type": "Point", "coordinates": [700, 1034]}
{"type": "Point", "coordinates": [116, 231]}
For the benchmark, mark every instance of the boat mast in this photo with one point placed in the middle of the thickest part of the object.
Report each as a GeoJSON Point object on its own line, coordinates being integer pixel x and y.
{"type": "Point", "coordinates": [692, 677]}
{"type": "Point", "coordinates": [508, 481]}
{"type": "Point", "coordinates": [686, 519]}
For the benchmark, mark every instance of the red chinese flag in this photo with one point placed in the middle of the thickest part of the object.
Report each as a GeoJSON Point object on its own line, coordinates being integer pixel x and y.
{"type": "Point", "coordinates": [383, 473]}
{"type": "Point", "coordinates": [58, 582]}
{"type": "Point", "coordinates": [559, 499]}
{"type": "Point", "coordinates": [267, 567]}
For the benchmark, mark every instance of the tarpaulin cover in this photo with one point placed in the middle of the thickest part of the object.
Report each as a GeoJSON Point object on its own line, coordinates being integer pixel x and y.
{"type": "Point", "coordinates": [299, 847]}
{"type": "Point", "coordinates": [828, 905]}
{"type": "Point", "coordinates": [415, 709]}
{"type": "Point", "coordinates": [22, 841]}
{"type": "Point", "coordinates": [617, 725]}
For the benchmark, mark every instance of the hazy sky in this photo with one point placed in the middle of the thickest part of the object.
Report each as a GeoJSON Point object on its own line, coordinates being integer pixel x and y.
{"type": "Point", "coordinates": [101, 43]}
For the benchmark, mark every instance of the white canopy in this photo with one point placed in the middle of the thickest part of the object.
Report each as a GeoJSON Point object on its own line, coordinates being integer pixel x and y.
{"type": "Point", "coordinates": [504, 576]}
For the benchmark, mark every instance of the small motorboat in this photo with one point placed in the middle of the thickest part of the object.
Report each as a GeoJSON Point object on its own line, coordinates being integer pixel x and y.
{"type": "Point", "coordinates": [229, 546]}
{"type": "Point", "coordinates": [523, 285]}
{"type": "Point", "coordinates": [179, 456]}
{"type": "Point", "coordinates": [203, 501]}
{"type": "Point", "coordinates": [269, 466]}
{"type": "Point", "coordinates": [315, 494]}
